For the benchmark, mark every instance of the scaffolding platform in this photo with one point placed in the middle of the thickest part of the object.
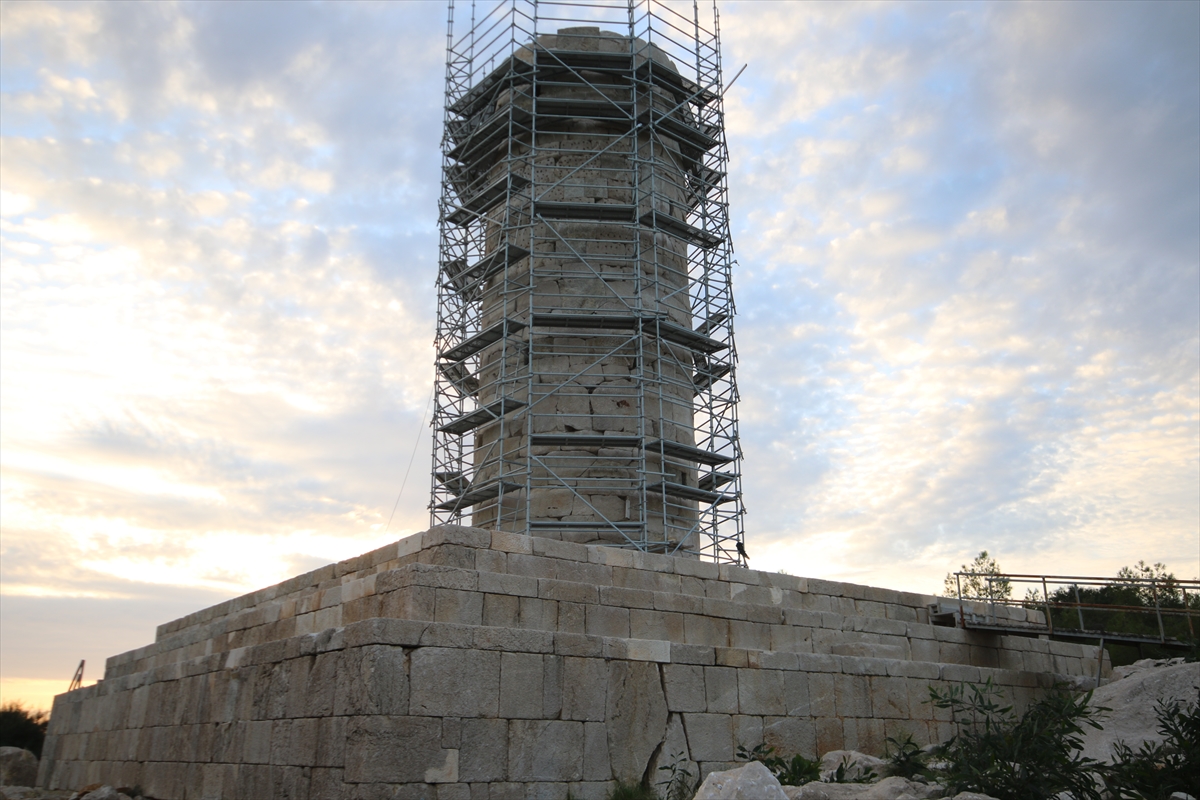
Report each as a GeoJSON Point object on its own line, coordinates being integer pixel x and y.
{"type": "Point", "coordinates": [486, 198]}
{"type": "Point", "coordinates": [476, 496]}
{"type": "Point", "coordinates": [687, 452]}
{"type": "Point", "coordinates": [480, 416]}
{"type": "Point", "coordinates": [690, 493]}
{"type": "Point", "coordinates": [484, 338]}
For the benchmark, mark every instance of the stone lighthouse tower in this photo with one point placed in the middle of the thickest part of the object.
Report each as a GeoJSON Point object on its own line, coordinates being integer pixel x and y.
{"type": "Point", "coordinates": [585, 357]}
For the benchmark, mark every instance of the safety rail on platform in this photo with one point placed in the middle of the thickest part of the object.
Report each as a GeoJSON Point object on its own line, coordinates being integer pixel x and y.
{"type": "Point", "coordinates": [1127, 610]}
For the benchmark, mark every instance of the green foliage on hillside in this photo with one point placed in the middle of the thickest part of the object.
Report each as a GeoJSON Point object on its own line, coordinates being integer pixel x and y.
{"type": "Point", "coordinates": [21, 727]}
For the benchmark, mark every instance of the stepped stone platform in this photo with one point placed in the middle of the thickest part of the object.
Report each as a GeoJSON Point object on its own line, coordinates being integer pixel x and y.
{"type": "Point", "coordinates": [466, 664]}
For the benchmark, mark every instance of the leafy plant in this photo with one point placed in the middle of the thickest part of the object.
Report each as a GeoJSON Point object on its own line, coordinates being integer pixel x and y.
{"type": "Point", "coordinates": [23, 727]}
{"type": "Point", "coordinates": [979, 586]}
{"type": "Point", "coordinates": [905, 757]}
{"type": "Point", "coordinates": [1157, 770]}
{"type": "Point", "coordinates": [794, 771]}
{"type": "Point", "coordinates": [632, 791]}
{"type": "Point", "coordinates": [841, 774]}
{"type": "Point", "coordinates": [1018, 757]}
{"type": "Point", "coordinates": [680, 784]}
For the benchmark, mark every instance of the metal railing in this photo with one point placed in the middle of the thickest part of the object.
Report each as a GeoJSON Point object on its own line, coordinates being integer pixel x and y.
{"type": "Point", "coordinates": [1164, 613]}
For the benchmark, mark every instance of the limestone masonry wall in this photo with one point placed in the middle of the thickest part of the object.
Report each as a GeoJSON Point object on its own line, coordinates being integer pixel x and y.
{"type": "Point", "coordinates": [464, 663]}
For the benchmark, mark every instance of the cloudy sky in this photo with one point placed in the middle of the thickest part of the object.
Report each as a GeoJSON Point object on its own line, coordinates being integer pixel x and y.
{"type": "Point", "coordinates": [968, 290]}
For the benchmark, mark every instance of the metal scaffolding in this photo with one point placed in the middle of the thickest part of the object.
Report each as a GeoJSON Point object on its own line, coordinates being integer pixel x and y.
{"type": "Point", "coordinates": [585, 385]}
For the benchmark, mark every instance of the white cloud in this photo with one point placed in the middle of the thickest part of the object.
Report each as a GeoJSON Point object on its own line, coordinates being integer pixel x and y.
{"type": "Point", "coordinates": [967, 284]}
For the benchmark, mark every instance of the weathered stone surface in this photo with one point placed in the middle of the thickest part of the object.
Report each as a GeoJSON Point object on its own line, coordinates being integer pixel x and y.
{"type": "Point", "coordinates": [751, 782]}
{"type": "Point", "coordinates": [521, 686]}
{"type": "Point", "coordinates": [636, 716]}
{"type": "Point", "coordinates": [18, 767]}
{"type": "Point", "coordinates": [483, 750]}
{"type": "Point", "coordinates": [545, 750]}
{"type": "Point", "coordinates": [383, 749]}
{"type": "Point", "coordinates": [1132, 698]}
{"type": "Point", "coordinates": [674, 752]}
{"type": "Point", "coordinates": [710, 736]}
{"type": "Point", "coordinates": [455, 683]}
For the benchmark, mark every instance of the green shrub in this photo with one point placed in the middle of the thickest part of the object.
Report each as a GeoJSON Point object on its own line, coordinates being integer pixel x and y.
{"type": "Point", "coordinates": [1030, 756]}
{"type": "Point", "coordinates": [1157, 770]}
{"type": "Point", "coordinates": [794, 771]}
{"type": "Point", "coordinates": [905, 757]}
{"type": "Point", "coordinates": [21, 727]}
{"type": "Point", "coordinates": [632, 791]}
{"type": "Point", "coordinates": [680, 783]}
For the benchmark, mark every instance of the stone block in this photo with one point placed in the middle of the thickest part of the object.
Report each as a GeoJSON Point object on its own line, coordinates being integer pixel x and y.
{"type": "Point", "coordinates": [455, 534]}
{"type": "Point", "coordinates": [512, 543]}
{"type": "Point", "coordinates": [577, 644]}
{"type": "Point", "coordinates": [626, 598]}
{"type": "Point", "coordinates": [692, 654]}
{"type": "Point", "coordinates": [699, 629]}
{"type": "Point", "coordinates": [491, 561]}
{"type": "Point", "coordinates": [520, 686]}
{"type": "Point", "coordinates": [500, 611]}
{"type": "Point", "coordinates": [532, 566]}
{"type": "Point", "coordinates": [569, 591]}
{"type": "Point", "coordinates": [682, 603]}
{"type": "Point", "coordinates": [822, 694]}
{"type": "Point", "coordinates": [607, 621]}
{"type": "Point", "coordinates": [760, 692]}
{"type": "Point", "coordinates": [732, 657]}
{"type": "Point", "coordinates": [636, 716]}
{"type": "Point", "coordinates": [747, 731]}
{"type": "Point", "coordinates": [538, 614]}
{"type": "Point", "coordinates": [710, 736]}
{"type": "Point", "coordinates": [513, 585]}
{"type": "Point", "coordinates": [409, 603]}
{"type": "Point", "coordinates": [646, 650]}
{"type": "Point", "coordinates": [585, 689]}
{"type": "Point", "coordinates": [852, 695]}
{"type": "Point", "coordinates": [331, 742]}
{"type": "Point", "coordinates": [721, 690]}
{"type": "Point", "coordinates": [596, 765]}
{"type": "Point", "coordinates": [889, 697]}
{"type": "Point", "coordinates": [373, 680]}
{"type": "Point", "coordinates": [455, 683]}
{"type": "Point", "coordinates": [483, 750]}
{"type": "Point", "coordinates": [960, 672]}
{"type": "Point", "coordinates": [572, 617]}
{"type": "Point", "coordinates": [664, 625]}
{"type": "Point", "coordinates": [749, 635]}
{"type": "Point", "coordinates": [463, 608]}
{"type": "Point", "coordinates": [581, 572]}
{"type": "Point", "coordinates": [387, 749]}
{"type": "Point", "coordinates": [552, 686]}
{"type": "Point", "coordinates": [791, 735]}
{"type": "Point", "coordinates": [684, 685]}
{"type": "Point", "coordinates": [512, 640]}
{"type": "Point", "coordinates": [545, 750]}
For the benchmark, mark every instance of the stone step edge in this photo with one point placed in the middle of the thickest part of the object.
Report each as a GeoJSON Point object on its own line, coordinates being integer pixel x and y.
{"type": "Point", "coordinates": [412, 633]}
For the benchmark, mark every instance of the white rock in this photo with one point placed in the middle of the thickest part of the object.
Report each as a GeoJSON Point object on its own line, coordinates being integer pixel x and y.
{"type": "Point", "coordinates": [1182, 796]}
{"type": "Point", "coordinates": [751, 782]}
{"type": "Point", "coordinates": [1132, 700]}
{"type": "Point", "coordinates": [103, 793]}
{"type": "Point", "coordinates": [972, 796]}
{"type": "Point", "coordinates": [857, 764]}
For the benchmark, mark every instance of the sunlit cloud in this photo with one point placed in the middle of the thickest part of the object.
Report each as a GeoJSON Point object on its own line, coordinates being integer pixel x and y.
{"type": "Point", "coordinates": [967, 288]}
